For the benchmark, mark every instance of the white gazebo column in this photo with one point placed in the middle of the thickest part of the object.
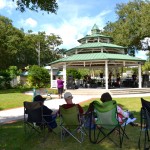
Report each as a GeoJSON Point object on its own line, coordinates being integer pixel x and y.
{"type": "Point", "coordinates": [140, 77]}
{"type": "Point", "coordinates": [64, 75]}
{"type": "Point", "coordinates": [106, 75]}
{"type": "Point", "coordinates": [51, 76]}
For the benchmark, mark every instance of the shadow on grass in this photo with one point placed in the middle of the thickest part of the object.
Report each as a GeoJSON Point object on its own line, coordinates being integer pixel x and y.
{"type": "Point", "coordinates": [13, 137]}
{"type": "Point", "coordinates": [15, 90]}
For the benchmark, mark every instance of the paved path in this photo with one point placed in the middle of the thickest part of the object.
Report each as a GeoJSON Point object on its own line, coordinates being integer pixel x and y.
{"type": "Point", "coordinates": [11, 115]}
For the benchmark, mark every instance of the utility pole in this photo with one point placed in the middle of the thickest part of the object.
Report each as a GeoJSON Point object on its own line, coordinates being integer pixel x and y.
{"type": "Point", "coordinates": [38, 51]}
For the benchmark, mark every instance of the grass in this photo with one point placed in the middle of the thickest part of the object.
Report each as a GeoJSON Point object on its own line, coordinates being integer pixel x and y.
{"type": "Point", "coordinates": [13, 98]}
{"type": "Point", "coordinates": [133, 104]}
{"type": "Point", "coordinates": [13, 137]}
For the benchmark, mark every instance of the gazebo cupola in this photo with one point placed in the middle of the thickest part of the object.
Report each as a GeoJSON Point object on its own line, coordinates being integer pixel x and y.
{"type": "Point", "coordinates": [95, 30]}
{"type": "Point", "coordinates": [96, 43]}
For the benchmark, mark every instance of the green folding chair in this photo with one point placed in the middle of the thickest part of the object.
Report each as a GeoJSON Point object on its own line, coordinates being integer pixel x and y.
{"type": "Point", "coordinates": [71, 124]}
{"type": "Point", "coordinates": [106, 122]}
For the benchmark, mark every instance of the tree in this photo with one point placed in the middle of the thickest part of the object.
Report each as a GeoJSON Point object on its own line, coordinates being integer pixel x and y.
{"type": "Point", "coordinates": [146, 66]}
{"type": "Point", "coordinates": [73, 72]}
{"type": "Point", "coordinates": [10, 40]}
{"type": "Point", "coordinates": [132, 25]}
{"type": "Point", "coordinates": [38, 76]}
{"type": "Point", "coordinates": [46, 46]}
{"type": "Point", "coordinates": [50, 6]}
{"type": "Point", "coordinates": [4, 79]}
{"type": "Point", "coordinates": [20, 49]}
{"type": "Point", "coordinates": [27, 54]}
{"type": "Point", "coordinates": [13, 72]}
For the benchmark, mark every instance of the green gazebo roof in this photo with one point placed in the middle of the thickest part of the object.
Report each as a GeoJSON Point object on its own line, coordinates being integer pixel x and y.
{"type": "Point", "coordinates": [96, 45]}
{"type": "Point", "coordinates": [97, 57]}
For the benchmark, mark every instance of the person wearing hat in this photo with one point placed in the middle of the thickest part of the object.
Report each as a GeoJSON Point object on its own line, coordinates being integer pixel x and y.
{"type": "Point", "coordinates": [69, 103]}
{"type": "Point", "coordinates": [46, 111]}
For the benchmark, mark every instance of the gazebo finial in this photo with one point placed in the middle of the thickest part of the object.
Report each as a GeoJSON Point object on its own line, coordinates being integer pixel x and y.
{"type": "Point", "coordinates": [95, 29]}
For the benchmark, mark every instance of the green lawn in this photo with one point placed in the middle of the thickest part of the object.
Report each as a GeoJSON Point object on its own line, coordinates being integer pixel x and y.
{"type": "Point", "coordinates": [132, 104]}
{"type": "Point", "coordinates": [13, 98]}
{"type": "Point", "coordinates": [12, 136]}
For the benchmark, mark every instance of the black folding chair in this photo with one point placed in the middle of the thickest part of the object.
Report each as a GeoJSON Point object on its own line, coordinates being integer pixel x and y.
{"type": "Point", "coordinates": [144, 138]}
{"type": "Point", "coordinates": [34, 119]}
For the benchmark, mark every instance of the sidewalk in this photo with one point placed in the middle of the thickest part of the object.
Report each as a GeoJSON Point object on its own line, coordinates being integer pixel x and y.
{"type": "Point", "coordinates": [11, 115]}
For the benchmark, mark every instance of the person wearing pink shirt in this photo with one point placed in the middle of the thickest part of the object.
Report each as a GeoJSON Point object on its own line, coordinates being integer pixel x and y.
{"type": "Point", "coordinates": [105, 97]}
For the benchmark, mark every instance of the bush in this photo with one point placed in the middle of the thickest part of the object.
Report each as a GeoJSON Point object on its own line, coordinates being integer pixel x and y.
{"type": "Point", "coordinates": [74, 73]}
{"type": "Point", "coordinates": [38, 77]}
{"type": "Point", "coordinates": [4, 80]}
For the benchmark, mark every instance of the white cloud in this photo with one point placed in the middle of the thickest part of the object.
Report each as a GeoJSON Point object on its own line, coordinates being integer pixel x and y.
{"type": "Point", "coordinates": [2, 4]}
{"type": "Point", "coordinates": [8, 4]}
{"type": "Point", "coordinates": [73, 21]}
{"type": "Point", "coordinates": [74, 28]}
{"type": "Point", "coordinates": [142, 54]}
{"type": "Point", "coordinates": [28, 22]}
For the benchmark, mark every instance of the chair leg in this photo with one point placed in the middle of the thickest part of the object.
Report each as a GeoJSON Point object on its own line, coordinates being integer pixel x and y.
{"type": "Point", "coordinates": [65, 132]}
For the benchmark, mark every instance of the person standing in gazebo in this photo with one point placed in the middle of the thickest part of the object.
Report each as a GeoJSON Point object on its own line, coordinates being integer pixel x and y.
{"type": "Point", "coordinates": [109, 79]}
{"type": "Point", "coordinates": [60, 87]}
{"type": "Point", "coordinates": [134, 78]}
{"type": "Point", "coordinates": [118, 80]}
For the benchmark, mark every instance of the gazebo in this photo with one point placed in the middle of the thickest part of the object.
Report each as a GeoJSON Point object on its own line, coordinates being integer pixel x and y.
{"type": "Point", "coordinates": [96, 52]}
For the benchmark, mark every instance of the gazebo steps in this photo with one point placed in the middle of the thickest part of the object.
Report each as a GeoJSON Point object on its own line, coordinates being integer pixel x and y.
{"type": "Point", "coordinates": [98, 91]}
{"type": "Point", "coordinates": [89, 91]}
{"type": "Point", "coordinates": [129, 91]}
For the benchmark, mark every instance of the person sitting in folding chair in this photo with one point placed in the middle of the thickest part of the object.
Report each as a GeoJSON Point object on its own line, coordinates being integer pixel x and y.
{"type": "Point", "coordinates": [69, 103]}
{"type": "Point", "coordinates": [71, 121]}
{"type": "Point", "coordinates": [105, 97]}
{"type": "Point", "coordinates": [48, 113]}
{"type": "Point", "coordinates": [144, 137]}
{"type": "Point", "coordinates": [105, 118]}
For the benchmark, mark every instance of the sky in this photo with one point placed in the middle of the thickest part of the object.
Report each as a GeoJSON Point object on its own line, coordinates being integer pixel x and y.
{"type": "Point", "coordinates": [74, 19]}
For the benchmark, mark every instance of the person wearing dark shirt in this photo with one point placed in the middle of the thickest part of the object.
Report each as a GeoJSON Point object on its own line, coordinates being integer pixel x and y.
{"type": "Point", "coordinates": [134, 78]}
{"type": "Point", "coordinates": [50, 118]}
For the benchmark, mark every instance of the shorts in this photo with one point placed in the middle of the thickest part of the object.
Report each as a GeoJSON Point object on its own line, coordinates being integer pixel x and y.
{"type": "Point", "coordinates": [60, 90]}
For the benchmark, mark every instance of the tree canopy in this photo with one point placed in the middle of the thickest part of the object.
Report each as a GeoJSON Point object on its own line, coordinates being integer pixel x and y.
{"type": "Point", "coordinates": [50, 6]}
{"type": "Point", "coordinates": [132, 24]}
{"type": "Point", "coordinates": [22, 49]}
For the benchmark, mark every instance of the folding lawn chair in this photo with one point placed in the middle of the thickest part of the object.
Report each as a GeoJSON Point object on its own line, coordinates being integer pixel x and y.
{"type": "Point", "coordinates": [145, 125]}
{"type": "Point", "coordinates": [34, 119]}
{"type": "Point", "coordinates": [71, 123]}
{"type": "Point", "coordinates": [48, 94]}
{"type": "Point", "coordinates": [105, 118]}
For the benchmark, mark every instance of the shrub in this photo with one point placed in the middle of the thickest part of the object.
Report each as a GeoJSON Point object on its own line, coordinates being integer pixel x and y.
{"type": "Point", "coordinates": [38, 77]}
{"type": "Point", "coordinates": [74, 73]}
{"type": "Point", "coordinates": [4, 80]}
